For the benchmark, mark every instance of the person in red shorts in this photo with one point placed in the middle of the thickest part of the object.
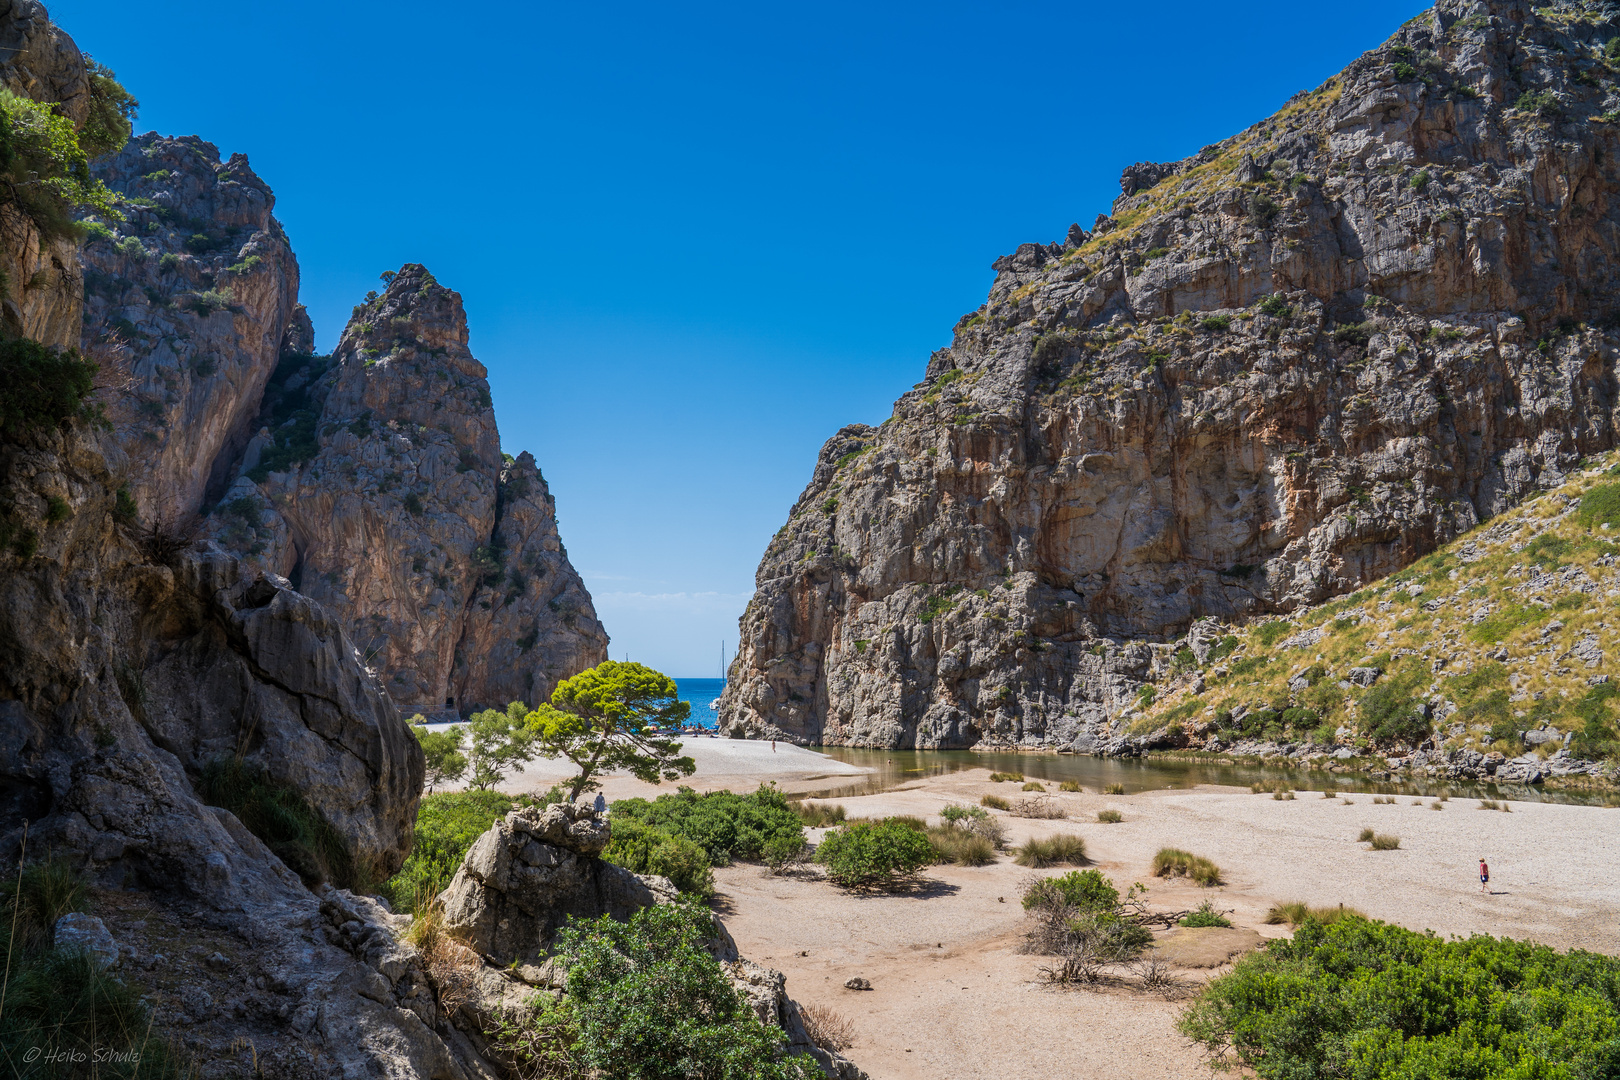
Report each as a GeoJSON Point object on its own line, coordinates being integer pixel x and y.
{"type": "Point", "coordinates": [1484, 877]}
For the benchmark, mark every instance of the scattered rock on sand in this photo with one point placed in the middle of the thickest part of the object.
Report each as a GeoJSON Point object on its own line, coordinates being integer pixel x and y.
{"type": "Point", "coordinates": [857, 983]}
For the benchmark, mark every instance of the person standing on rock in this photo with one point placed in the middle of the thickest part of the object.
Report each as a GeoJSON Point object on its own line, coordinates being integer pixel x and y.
{"type": "Point", "coordinates": [1484, 877]}
{"type": "Point", "coordinates": [600, 805]}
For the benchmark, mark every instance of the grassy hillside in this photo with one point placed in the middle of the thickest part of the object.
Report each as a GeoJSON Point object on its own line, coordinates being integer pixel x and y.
{"type": "Point", "coordinates": [1501, 641]}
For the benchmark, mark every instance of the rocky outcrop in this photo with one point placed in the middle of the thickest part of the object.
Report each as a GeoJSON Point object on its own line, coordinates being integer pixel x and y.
{"type": "Point", "coordinates": [529, 874]}
{"type": "Point", "coordinates": [190, 298]}
{"type": "Point", "coordinates": [376, 483]}
{"type": "Point", "coordinates": [1279, 369]}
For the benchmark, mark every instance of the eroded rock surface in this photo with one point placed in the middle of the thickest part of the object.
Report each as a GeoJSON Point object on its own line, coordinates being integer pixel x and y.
{"type": "Point", "coordinates": [191, 297]}
{"type": "Point", "coordinates": [377, 485]}
{"type": "Point", "coordinates": [1281, 368]}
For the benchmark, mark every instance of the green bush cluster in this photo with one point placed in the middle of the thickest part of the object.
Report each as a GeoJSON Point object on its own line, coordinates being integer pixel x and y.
{"type": "Point", "coordinates": [642, 849]}
{"type": "Point", "coordinates": [866, 854]}
{"type": "Point", "coordinates": [1366, 999]}
{"type": "Point", "coordinates": [646, 1001]}
{"type": "Point", "coordinates": [42, 387]}
{"type": "Point", "coordinates": [446, 826]}
{"type": "Point", "coordinates": [723, 825]}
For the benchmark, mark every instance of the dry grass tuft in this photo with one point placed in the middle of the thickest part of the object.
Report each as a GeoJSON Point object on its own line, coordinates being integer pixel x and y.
{"type": "Point", "coordinates": [827, 1028]}
{"type": "Point", "coordinates": [1295, 913]}
{"type": "Point", "coordinates": [1039, 806]}
{"type": "Point", "coordinates": [995, 802]}
{"type": "Point", "coordinates": [1114, 789]}
{"type": "Point", "coordinates": [1173, 862]}
{"type": "Point", "coordinates": [1070, 785]}
{"type": "Point", "coordinates": [1385, 842]}
{"type": "Point", "coordinates": [1110, 817]}
{"type": "Point", "coordinates": [1052, 851]}
{"type": "Point", "coordinates": [1365, 837]}
{"type": "Point", "coordinates": [1034, 785]}
{"type": "Point", "coordinates": [451, 965]}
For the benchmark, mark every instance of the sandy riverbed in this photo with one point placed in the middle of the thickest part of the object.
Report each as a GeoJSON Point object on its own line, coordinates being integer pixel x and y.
{"type": "Point", "coordinates": [952, 997]}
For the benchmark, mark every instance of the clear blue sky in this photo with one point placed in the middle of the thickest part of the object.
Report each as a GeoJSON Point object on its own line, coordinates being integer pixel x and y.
{"type": "Point", "coordinates": [696, 239]}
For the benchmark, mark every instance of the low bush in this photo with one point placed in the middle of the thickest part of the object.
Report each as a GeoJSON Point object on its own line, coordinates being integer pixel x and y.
{"type": "Point", "coordinates": [995, 802]}
{"type": "Point", "coordinates": [976, 821]}
{"type": "Point", "coordinates": [646, 1000]}
{"type": "Point", "coordinates": [818, 815]}
{"type": "Point", "coordinates": [1295, 914]}
{"type": "Point", "coordinates": [1492, 804]}
{"type": "Point", "coordinates": [865, 855]}
{"type": "Point", "coordinates": [1083, 890]}
{"type": "Point", "coordinates": [1206, 915]}
{"type": "Point", "coordinates": [1034, 785]}
{"type": "Point", "coordinates": [1257, 788]}
{"type": "Point", "coordinates": [1364, 999]}
{"type": "Point", "coordinates": [1173, 862]}
{"type": "Point", "coordinates": [1385, 842]}
{"type": "Point", "coordinates": [643, 849]}
{"type": "Point", "coordinates": [1110, 817]}
{"type": "Point", "coordinates": [42, 387]}
{"type": "Point", "coordinates": [1070, 785]}
{"type": "Point", "coordinates": [1081, 918]}
{"type": "Point", "coordinates": [1365, 837]}
{"type": "Point", "coordinates": [1052, 851]}
{"type": "Point", "coordinates": [1000, 777]}
{"type": "Point", "coordinates": [446, 826]}
{"type": "Point", "coordinates": [724, 825]}
{"type": "Point", "coordinates": [1435, 805]}
{"type": "Point", "coordinates": [1216, 323]}
{"type": "Point", "coordinates": [1114, 789]}
{"type": "Point", "coordinates": [1281, 795]}
{"type": "Point", "coordinates": [909, 821]}
{"type": "Point", "coordinates": [1600, 505]}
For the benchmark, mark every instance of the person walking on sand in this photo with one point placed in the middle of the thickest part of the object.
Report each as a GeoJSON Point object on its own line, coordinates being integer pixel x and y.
{"type": "Point", "coordinates": [1484, 877]}
{"type": "Point", "coordinates": [773, 746]}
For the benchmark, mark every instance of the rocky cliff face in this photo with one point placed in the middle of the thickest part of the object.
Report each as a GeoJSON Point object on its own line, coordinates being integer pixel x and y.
{"type": "Point", "coordinates": [377, 485]}
{"type": "Point", "coordinates": [1280, 368]}
{"type": "Point", "coordinates": [190, 298]}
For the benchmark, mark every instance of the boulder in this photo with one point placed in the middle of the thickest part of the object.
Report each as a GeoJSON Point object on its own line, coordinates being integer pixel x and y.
{"type": "Point", "coordinates": [79, 931]}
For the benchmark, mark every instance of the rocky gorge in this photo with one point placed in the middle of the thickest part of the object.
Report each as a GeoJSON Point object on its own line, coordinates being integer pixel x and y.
{"type": "Point", "coordinates": [1277, 370]}
{"type": "Point", "coordinates": [373, 479]}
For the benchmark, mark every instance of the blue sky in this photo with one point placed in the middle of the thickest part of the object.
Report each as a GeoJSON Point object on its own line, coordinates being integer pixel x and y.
{"type": "Point", "coordinates": [695, 240]}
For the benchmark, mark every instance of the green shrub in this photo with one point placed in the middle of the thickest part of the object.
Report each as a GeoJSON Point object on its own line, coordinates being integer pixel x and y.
{"type": "Point", "coordinates": [642, 849]}
{"type": "Point", "coordinates": [1070, 785]}
{"type": "Point", "coordinates": [42, 387]}
{"type": "Point", "coordinates": [1365, 999]}
{"type": "Point", "coordinates": [995, 802]}
{"type": "Point", "coordinates": [1110, 817]}
{"type": "Point", "coordinates": [1000, 777]}
{"type": "Point", "coordinates": [1540, 102]}
{"type": "Point", "coordinates": [646, 1001]}
{"type": "Point", "coordinates": [446, 826]}
{"type": "Point", "coordinates": [1216, 323]}
{"type": "Point", "coordinates": [1600, 505]}
{"type": "Point", "coordinates": [1052, 851]}
{"type": "Point", "coordinates": [1366, 835]}
{"type": "Point", "coordinates": [295, 442]}
{"type": "Point", "coordinates": [863, 855]}
{"type": "Point", "coordinates": [1114, 789]}
{"type": "Point", "coordinates": [1275, 306]}
{"type": "Point", "coordinates": [1155, 253]}
{"type": "Point", "coordinates": [1173, 862]}
{"type": "Point", "coordinates": [1420, 180]}
{"type": "Point", "coordinates": [726, 826]}
{"type": "Point", "coordinates": [1034, 785]}
{"type": "Point", "coordinates": [1206, 915]}
{"type": "Point", "coordinates": [94, 230]}
{"type": "Point", "coordinates": [130, 247]}
{"type": "Point", "coordinates": [46, 172]}
{"type": "Point", "coordinates": [1086, 890]}
{"type": "Point", "coordinates": [1269, 633]}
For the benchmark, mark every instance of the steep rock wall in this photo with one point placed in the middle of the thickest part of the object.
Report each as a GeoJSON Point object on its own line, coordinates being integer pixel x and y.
{"type": "Point", "coordinates": [190, 298]}
{"type": "Point", "coordinates": [377, 485]}
{"type": "Point", "coordinates": [1287, 365]}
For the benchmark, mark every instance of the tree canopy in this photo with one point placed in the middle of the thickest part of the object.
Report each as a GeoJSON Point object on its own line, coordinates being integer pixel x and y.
{"type": "Point", "coordinates": [614, 716]}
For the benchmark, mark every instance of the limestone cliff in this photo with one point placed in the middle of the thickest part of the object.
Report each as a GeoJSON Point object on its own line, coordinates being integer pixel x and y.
{"type": "Point", "coordinates": [190, 298]}
{"type": "Point", "coordinates": [377, 485]}
{"type": "Point", "coordinates": [1280, 368]}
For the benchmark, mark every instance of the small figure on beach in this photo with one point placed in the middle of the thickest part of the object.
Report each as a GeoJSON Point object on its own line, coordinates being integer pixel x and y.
{"type": "Point", "coordinates": [773, 746]}
{"type": "Point", "coordinates": [601, 804]}
{"type": "Point", "coordinates": [1484, 876]}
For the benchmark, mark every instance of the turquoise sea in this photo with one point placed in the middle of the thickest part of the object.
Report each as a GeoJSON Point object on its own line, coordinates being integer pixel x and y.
{"type": "Point", "coordinates": [700, 692]}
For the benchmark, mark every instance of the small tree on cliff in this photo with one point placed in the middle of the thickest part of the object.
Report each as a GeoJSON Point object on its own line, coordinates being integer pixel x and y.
{"type": "Point", "coordinates": [613, 717]}
{"type": "Point", "coordinates": [442, 752]}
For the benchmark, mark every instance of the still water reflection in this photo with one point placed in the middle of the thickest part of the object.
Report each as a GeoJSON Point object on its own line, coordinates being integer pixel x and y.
{"type": "Point", "coordinates": [895, 767]}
